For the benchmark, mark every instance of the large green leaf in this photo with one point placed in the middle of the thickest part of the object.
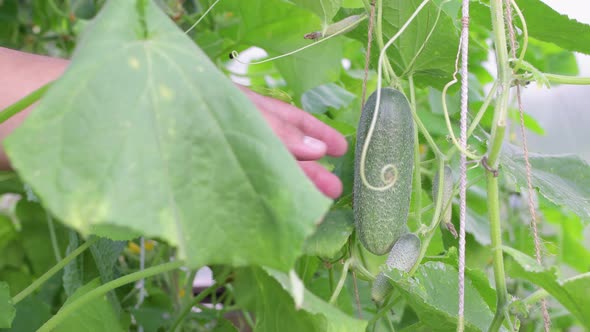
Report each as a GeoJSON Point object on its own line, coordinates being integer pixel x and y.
{"type": "Point", "coordinates": [97, 315]}
{"type": "Point", "coordinates": [571, 294]}
{"type": "Point", "coordinates": [545, 24]}
{"type": "Point", "coordinates": [31, 313]}
{"type": "Point", "coordinates": [278, 27]}
{"type": "Point", "coordinates": [144, 133]}
{"type": "Point", "coordinates": [7, 311]}
{"type": "Point", "coordinates": [432, 293]}
{"type": "Point", "coordinates": [278, 304]}
{"type": "Point", "coordinates": [331, 234]}
{"type": "Point", "coordinates": [431, 59]}
{"type": "Point", "coordinates": [563, 179]}
{"type": "Point", "coordinates": [321, 98]}
{"type": "Point", "coordinates": [324, 9]}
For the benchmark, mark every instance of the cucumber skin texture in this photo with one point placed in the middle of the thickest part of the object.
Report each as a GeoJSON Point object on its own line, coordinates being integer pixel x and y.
{"type": "Point", "coordinates": [403, 256]}
{"type": "Point", "coordinates": [381, 216]}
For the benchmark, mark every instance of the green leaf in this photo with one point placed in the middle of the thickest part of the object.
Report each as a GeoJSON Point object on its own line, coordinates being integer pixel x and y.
{"type": "Point", "coordinates": [432, 64]}
{"type": "Point", "coordinates": [529, 122]}
{"type": "Point", "coordinates": [544, 24]}
{"type": "Point", "coordinates": [432, 294]}
{"type": "Point", "coordinates": [477, 277]}
{"type": "Point", "coordinates": [324, 9]}
{"type": "Point", "coordinates": [549, 58]}
{"type": "Point", "coordinates": [331, 234]}
{"type": "Point", "coordinates": [321, 98]}
{"type": "Point", "coordinates": [563, 179]}
{"type": "Point", "coordinates": [278, 27]}
{"type": "Point", "coordinates": [36, 240]}
{"type": "Point", "coordinates": [31, 313]}
{"type": "Point", "coordinates": [105, 253]}
{"type": "Point", "coordinates": [572, 249]}
{"type": "Point", "coordinates": [7, 311]}
{"type": "Point", "coordinates": [97, 315]}
{"type": "Point", "coordinates": [352, 3]}
{"type": "Point", "coordinates": [10, 183]}
{"type": "Point", "coordinates": [144, 133]}
{"type": "Point", "coordinates": [152, 319]}
{"type": "Point", "coordinates": [7, 231]}
{"type": "Point", "coordinates": [570, 294]}
{"type": "Point", "coordinates": [274, 290]}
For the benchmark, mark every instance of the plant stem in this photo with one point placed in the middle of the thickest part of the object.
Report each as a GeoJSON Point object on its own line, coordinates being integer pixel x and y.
{"type": "Point", "coordinates": [56, 268]}
{"type": "Point", "coordinates": [563, 79]}
{"type": "Point", "coordinates": [53, 237]}
{"type": "Point", "coordinates": [389, 73]}
{"type": "Point", "coordinates": [340, 284]}
{"type": "Point", "coordinates": [23, 103]}
{"type": "Point", "coordinates": [417, 183]}
{"type": "Point", "coordinates": [498, 258]}
{"type": "Point", "coordinates": [103, 289]}
{"type": "Point", "coordinates": [430, 230]}
{"type": "Point", "coordinates": [497, 138]}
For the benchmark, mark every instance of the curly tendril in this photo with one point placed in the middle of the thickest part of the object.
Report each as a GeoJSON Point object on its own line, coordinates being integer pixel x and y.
{"type": "Point", "coordinates": [388, 183]}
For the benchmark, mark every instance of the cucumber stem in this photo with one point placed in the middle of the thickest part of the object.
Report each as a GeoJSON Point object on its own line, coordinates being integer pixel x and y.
{"type": "Point", "coordinates": [340, 284]}
{"type": "Point", "coordinates": [563, 79]}
{"type": "Point", "coordinates": [417, 183]}
{"type": "Point", "coordinates": [389, 73]}
{"type": "Point", "coordinates": [428, 232]}
{"type": "Point", "coordinates": [498, 130]}
{"type": "Point", "coordinates": [51, 272]}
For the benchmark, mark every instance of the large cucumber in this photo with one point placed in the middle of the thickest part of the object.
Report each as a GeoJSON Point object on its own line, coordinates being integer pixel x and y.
{"type": "Point", "coordinates": [381, 216]}
{"type": "Point", "coordinates": [403, 256]}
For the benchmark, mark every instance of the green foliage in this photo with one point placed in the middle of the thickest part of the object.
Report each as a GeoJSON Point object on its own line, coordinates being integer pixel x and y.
{"type": "Point", "coordinates": [272, 289]}
{"type": "Point", "coordinates": [432, 294]}
{"type": "Point", "coordinates": [145, 136]}
{"type": "Point", "coordinates": [564, 180]}
{"type": "Point", "coordinates": [7, 311]}
{"type": "Point", "coordinates": [331, 235]}
{"type": "Point", "coordinates": [96, 316]}
{"type": "Point", "coordinates": [571, 294]}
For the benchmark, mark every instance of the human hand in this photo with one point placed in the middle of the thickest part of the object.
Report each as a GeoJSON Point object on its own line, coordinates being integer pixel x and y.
{"type": "Point", "coordinates": [306, 137]}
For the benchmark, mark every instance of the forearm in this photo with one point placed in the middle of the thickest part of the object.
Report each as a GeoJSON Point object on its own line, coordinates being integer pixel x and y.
{"type": "Point", "coordinates": [20, 74]}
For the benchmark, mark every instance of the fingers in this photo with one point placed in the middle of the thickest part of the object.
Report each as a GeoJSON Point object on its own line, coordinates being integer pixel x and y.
{"type": "Point", "coordinates": [326, 182]}
{"type": "Point", "coordinates": [302, 147]}
{"type": "Point", "coordinates": [336, 144]}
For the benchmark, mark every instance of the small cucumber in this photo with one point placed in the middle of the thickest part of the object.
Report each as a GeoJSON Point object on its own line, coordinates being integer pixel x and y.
{"type": "Point", "coordinates": [447, 196]}
{"type": "Point", "coordinates": [381, 216]}
{"type": "Point", "coordinates": [403, 256]}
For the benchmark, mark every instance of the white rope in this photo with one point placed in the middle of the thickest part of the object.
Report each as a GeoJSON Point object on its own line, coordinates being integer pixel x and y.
{"type": "Point", "coordinates": [464, 45]}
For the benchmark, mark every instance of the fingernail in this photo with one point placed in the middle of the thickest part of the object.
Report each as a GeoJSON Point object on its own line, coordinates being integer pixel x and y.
{"type": "Point", "coordinates": [314, 144]}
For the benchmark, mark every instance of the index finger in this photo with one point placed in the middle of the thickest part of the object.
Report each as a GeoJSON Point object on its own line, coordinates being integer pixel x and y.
{"type": "Point", "coordinates": [309, 125]}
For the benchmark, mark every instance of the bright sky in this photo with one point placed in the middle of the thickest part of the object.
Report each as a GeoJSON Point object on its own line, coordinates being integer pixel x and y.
{"type": "Point", "coordinates": [579, 10]}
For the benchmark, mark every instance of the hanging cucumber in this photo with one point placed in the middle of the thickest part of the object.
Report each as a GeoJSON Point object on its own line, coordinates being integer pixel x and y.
{"type": "Point", "coordinates": [403, 256]}
{"type": "Point", "coordinates": [383, 170]}
{"type": "Point", "coordinates": [447, 196]}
